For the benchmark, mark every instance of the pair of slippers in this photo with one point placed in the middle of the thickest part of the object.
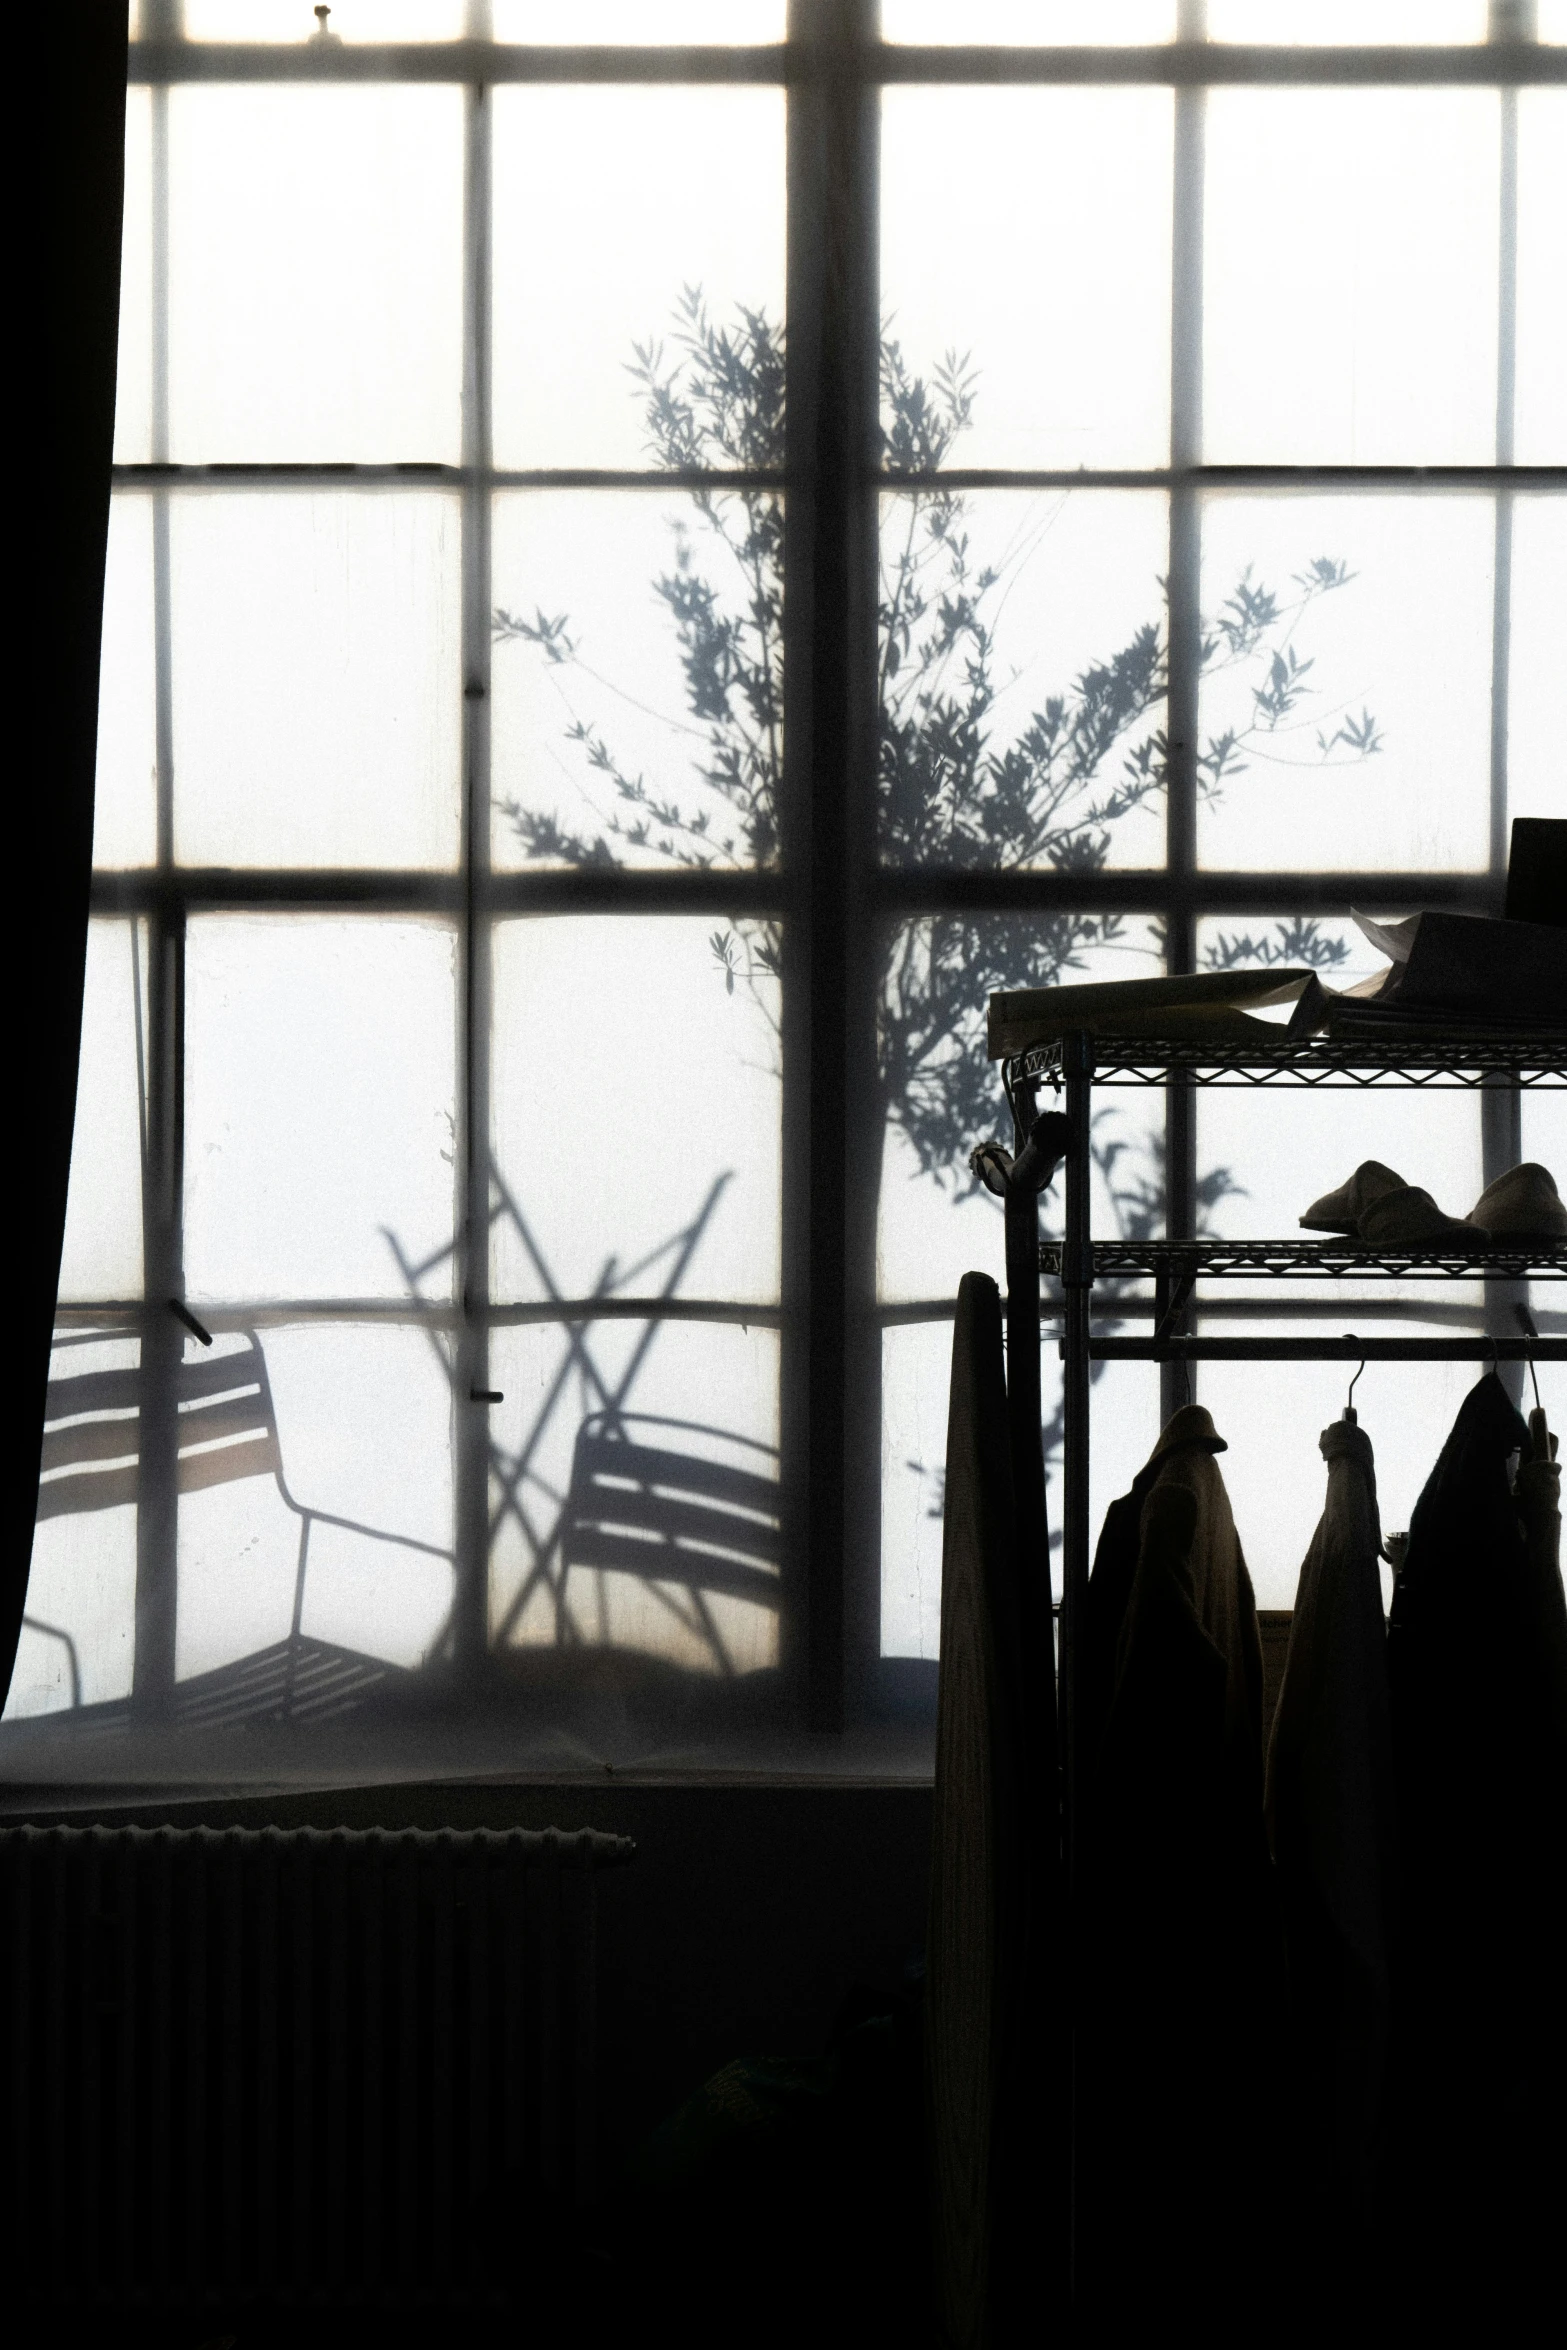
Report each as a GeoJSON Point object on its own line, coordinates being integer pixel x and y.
{"type": "Point", "coordinates": [1379, 1206]}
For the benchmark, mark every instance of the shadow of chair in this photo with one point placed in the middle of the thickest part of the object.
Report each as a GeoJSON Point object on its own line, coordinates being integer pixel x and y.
{"type": "Point", "coordinates": [694, 1523]}
{"type": "Point", "coordinates": [226, 1430]}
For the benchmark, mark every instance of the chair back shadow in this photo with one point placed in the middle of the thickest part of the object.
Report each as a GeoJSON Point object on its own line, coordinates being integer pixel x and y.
{"type": "Point", "coordinates": [227, 1430]}
{"type": "Point", "coordinates": [692, 1526]}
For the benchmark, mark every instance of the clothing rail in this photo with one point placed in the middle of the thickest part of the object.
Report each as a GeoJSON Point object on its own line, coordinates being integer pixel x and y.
{"type": "Point", "coordinates": [1326, 1350]}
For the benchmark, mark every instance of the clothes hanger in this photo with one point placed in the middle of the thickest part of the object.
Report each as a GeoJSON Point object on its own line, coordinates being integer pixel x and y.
{"type": "Point", "coordinates": [1530, 1330]}
{"type": "Point", "coordinates": [1350, 1419]}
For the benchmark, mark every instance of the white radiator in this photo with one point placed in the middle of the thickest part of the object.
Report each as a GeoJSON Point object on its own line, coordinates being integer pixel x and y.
{"type": "Point", "coordinates": [300, 2067]}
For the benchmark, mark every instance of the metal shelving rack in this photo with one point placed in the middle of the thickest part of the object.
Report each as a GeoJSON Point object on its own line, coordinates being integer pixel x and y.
{"type": "Point", "coordinates": [1071, 1066]}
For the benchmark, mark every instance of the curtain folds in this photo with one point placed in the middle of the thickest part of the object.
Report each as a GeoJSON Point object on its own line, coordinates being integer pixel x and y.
{"type": "Point", "coordinates": [67, 229]}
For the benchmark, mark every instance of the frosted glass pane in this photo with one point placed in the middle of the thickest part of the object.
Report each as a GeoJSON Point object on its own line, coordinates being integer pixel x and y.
{"type": "Point", "coordinates": [1023, 21]}
{"type": "Point", "coordinates": [80, 1609]}
{"type": "Point", "coordinates": [1552, 20]}
{"type": "Point", "coordinates": [608, 576]}
{"type": "Point", "coordinates": [638, 20]}
{"type": "Point", "coordinates": [133, 368]}
{"type": "Point", "coordinates": [324, 322]}
{"type": "Point", "coordinates": [319, 1104]}
{"type": "Point", "coordinates": [647, 192]}
{"type": "Point", "coordinates": [1027, 234]}
{"type": "Point", "coordinates": [916, 1370]}
{"type": "Point", "coordinates": [1544, 1129]}
{"type": "Point", "coordinates": [102, 1253]}
{"type": "Point", "coordinates": [1275, 1475]}
{"type": "Point", "coordinates": [363, 1420]}
{"type": "Point", "coordinates": [1406, 642]}
{"type": "Point", "coordinates": [125, 793]}
{"type": "Point", "coordinates": [708, 1395]}
{"type": "Point", "coordinates": [350, 20]}
{"type": "Point", "coordinates": [355, 602]}
{"type": "Point", "coordinates": [634, 1011]}
{"type": "Point", "coordinates": [944, 1096]}
{"type": "Point", "coordinates": [1540, 418]}
{"type": "Point", "coordinates": [1537, 671]}
{"type": "Point", "coordinates": [1060, 664]}
{"type": "Point", "coordinates": [1350, 277]}
{"type": "Point", "coordinates": [1347, 21]}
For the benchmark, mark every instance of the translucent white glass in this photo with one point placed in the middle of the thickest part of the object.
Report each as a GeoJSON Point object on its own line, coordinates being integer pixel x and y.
{"type": "Point", "coordinates": [1552, 20]}
{"type": "Point", "coordinates": [79, 1621]}
{"type": "Point", "coordinates": [1271, 1416]}
{"type": "Point", "coordinates": [1347, 21]}
{"type": "Point", "coordinates": [588, 565]}
{"type": "Point", "coordinates": [636, 1112]}
{"type": "Point", "coordinates": [650, 21]}
{"type": "Point", "coordinates": [125, 793]}
{"type": "Point", "coordinates": [363, 1423]}
{"type": "Point", "coordinates": [916, 1371]}
{"type": "Point", "coordinates": [646, 192]}
{"type": "Point", "coordinates": [315, 273]}
{"type": "Point", "coordinates": [1544, 1133]}
{"type": "Point", "coordinates": [102, 1257]}
{"type": "Point", "coordinates": [1537, 670]}
{"type": "Point", "coordinates": [320, 1106]}
{"type": "Point", "coordinates": [705, 1393]}
{"type": "Point", "coordinates": [350, 20]}
{"type": "Point", "coordinates": [1405, 645]}
{"type": "Point", "coordinates": [944, 1096]}
{"type": "Point", "coordinates": [1068, 606]}
{"type": "Point", "coordinates": [317, 679]}
{"type": "Point", "coordinates": [133, 367]}
{"type": "Point", "coordinates": [1540, 414]}
{"type": "Point", "coordinates": [1026, 233]}
{"type": "Point", "coordinates": [1025, 21]}
{"type": "Point", "coordinates": [1350, 276]}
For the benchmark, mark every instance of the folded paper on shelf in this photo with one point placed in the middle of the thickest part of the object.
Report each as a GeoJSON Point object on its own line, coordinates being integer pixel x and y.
{"type": "Point", "coordinates": [1205, 1007]}
{"type": "Point", "coordinates": [1449, 975]}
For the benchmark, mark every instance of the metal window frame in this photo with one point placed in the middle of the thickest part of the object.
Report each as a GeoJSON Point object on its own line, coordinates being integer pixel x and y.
{"type": "Point", "coordinates": [829, 890]}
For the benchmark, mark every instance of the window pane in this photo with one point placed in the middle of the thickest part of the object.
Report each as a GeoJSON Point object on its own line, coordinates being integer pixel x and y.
{"type": "Point", "coordinates": [356, 603]}
{"type": "Point", "coordinates": [79, 1623]}
{"type": "Point", "coordinates": [125, 793]}
{"type": "Point", "coordinates": [1023, 679]}
{"type": "Point", "coordinates": [679, 1192]}
{"type": "Point", "coordinates": [1346, 21]}
{"type": "Point", "coordinates": [625, 179]}
{"type": "Point", "coordinates": [102, 1253]}
{"type": "Point", "coordinates": [1350, 277]}
{"type": "Point", "coordinates": [1537, 689]}
{"type": "Point", "coordinates": [1540, 426]}
{"type": "Point", "coordinates": [1361, 760]}
{"type": "Point", "coordinates": [1026, 241]}
{"type": "Point", "coordinates": [1553, 20]}
{"type": "Point", "coordinates": [360, 1421]}
{"type": "Point", "coordinates": [942, 1095]}
{"type": "Point", "coordinates": [634, 1502]}
{"type": "Point", "coordinates": [638, 20]}
{"type": "Point", "coordinates": [320, 1109]}
{"type": "Point", "coordinates": [325, 322]}
{"type": "Point", "coordinates": [350, 20]}
{"type": "Point", "coordinates": [133, 369]}
{"type": "Point", "coordinates": [637, 684]}
{"type": "Point", "coordinates": [1023, 21]}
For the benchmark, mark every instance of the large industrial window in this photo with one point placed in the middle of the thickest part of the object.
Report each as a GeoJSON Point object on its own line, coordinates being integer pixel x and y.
{"type": "Point", "coordinates": [645, 577]}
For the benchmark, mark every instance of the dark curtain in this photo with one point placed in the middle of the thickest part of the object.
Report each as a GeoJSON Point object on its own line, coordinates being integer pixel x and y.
{"type": "Point", "coordinates": [70, 87]}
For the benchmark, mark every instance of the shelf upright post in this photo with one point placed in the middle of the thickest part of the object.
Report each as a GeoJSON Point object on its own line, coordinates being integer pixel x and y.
{"type": "Point", "coordinates": [1077, 1274]}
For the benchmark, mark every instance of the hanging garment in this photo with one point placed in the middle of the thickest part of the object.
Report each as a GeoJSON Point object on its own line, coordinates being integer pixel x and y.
{"type": "Point", "coordinates": [994, 1861]}
{"type": "Point", "coordinates": [1180, 1987]}
{"type": "Point", "coordinates": [1332, 1822]}
{"type": "Point", "coordinates": [1477, 1658]}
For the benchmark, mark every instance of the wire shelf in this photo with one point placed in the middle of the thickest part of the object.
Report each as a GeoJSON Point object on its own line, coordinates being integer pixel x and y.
{"type": "Point", "coordinates": [1314, 1260]}
{"type": "Point", "coordinates": [1328, 1064]}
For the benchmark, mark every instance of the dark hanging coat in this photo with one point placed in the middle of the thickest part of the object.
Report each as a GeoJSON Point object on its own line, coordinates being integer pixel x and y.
{"type": "Point", "coordinates": [1332, 1819]}
{"type": "Point", "coordinates": [1180, 1983]}
{"type": "Point", "coordinates": [1477, 1655]}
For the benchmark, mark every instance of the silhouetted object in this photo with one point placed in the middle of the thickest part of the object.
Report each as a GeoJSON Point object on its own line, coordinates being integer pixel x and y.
{"type": "Point", "coordinates": [226, 1429]}
{"type": "Point", "coordinates": [695, 1528]}
{"type": "Point", "coordinates": [994, 1866]}
{"type": "Point", "coordinates": [1332, 1820]}
{"type": "Point", "coordinates": [292, 2069]}
{"type": "Point", "coordinates": [1477, 1656]}
{"type": "Point", "coordinates": [1180, 1987]}
{"type": "Point", "coordinates": [1537, 871]}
